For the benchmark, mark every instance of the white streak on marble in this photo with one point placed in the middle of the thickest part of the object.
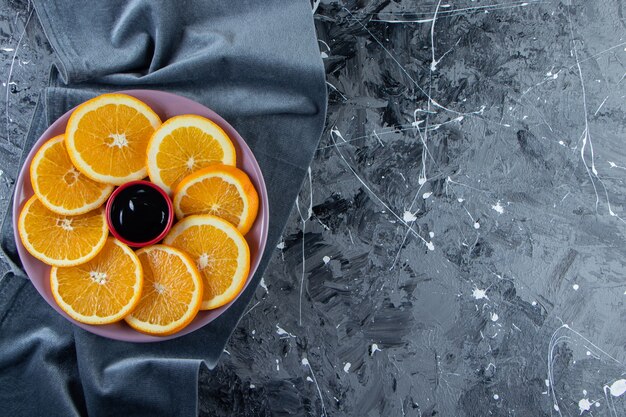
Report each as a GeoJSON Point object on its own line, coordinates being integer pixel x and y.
{"type": "Point", "coordinates": [434, 62]}
{"type": "Point", "coordinates": [600, 106]}
{"type": "Point", "coordinates": [555, 340]}
{"type": "Point", "coordinates": [263, 285]}
{"type": "Point", "coordinates": [19, 41]}
{"type": "Point", "coordinates": [378, 138]}
{"type": "Point", "coordinates": [306, 363]}
{"type": "Point", "coordinates": [336, 132]}
{"type": "Point", "coordinates": [303, 221]}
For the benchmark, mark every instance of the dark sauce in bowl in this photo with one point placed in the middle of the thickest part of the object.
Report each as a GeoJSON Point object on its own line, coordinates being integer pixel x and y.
{"type": "Point", "coordinates": [139, 213]}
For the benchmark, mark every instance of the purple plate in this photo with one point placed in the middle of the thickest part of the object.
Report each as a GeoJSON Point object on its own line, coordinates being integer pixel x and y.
{"type": "Point", "coordinates": [166, 105]}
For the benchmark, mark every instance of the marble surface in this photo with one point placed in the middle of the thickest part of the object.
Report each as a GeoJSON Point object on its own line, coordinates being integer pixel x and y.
{"type": "Point", "coordinates": [458, 247]}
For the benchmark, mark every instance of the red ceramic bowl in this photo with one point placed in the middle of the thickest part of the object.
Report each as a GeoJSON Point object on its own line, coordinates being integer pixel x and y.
{"type": "Point", "coordinates": [166, 105]}
{"type": "Point", "coordinates": [166, 199]}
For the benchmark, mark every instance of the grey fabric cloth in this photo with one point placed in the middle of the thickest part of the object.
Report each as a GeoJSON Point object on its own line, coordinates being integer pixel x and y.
{"type": "Point", "coordinates": [258, 65]}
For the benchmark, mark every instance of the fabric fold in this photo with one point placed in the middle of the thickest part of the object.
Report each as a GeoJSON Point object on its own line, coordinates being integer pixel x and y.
{"type": "Point", "coordinates": [258, 65]}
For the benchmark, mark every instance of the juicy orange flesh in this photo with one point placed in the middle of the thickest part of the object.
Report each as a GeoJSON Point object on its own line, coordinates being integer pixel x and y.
{"type": "Point", "coordinates": [63, 237]}
{"type": "Point", "coordinates": [168, 288]}
{"type": "Point", "coordinates": [184, 151]}
{"type": "Point", "coordinates": [215, 255]}
{"type": "Point", "coordinates": [214, 196]}
{"type": "Point", "coordinates": [61, 183]}
{"type": "Point", "coordinates": [102, 286]}
{"type": "Point", "coordinates": [122, 135]}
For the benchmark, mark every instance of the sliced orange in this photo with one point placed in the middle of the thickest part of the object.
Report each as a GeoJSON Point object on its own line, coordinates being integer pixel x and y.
{"type": "Point", "coordinates": [61, 240]}
{"type": "Point", "coordinates": [59, 186]}
{"type": "Point", "coordinates": [107, 138]}
{"type": "Point", "coordinates": [184, 144]}
{"type": "Point", "coordinates": [103, 290]}
{"type": "Point", "coordinates": [221, 254]}
{"type": "Point", "coordinates": [222, 190]}
{"type": "Point", "coordinates": [171, 294]}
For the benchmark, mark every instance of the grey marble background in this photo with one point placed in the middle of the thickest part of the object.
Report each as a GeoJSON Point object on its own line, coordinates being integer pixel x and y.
{"type": "Point", "coordinates": [458, 248]}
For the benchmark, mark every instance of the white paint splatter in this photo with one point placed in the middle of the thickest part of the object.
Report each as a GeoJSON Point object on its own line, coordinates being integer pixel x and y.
{"type": "Point", "coordinates": [374, 348]}
{"type": "Point", "coordinates": [426, 195]}
{"type": "Point", "coordinates": [326, 259]}
{"type": "Point", "coordinates": [263, 285]}
{"type": "Point", "coordinates": [430, 246]}
{"type": "Point", "coordinates": [346, 367]}
{"type": "Point", "coordinates": [282, 332]}
{"type": "Point", "coordinates": [252, 386]}
{"type": "Point", "coordinates": [308, 378]}
{"type": "Point", "coordinates": [460, 200]}
{"type": "Point", "coordinates": [431, 234]}
{"type": "Point", "coordinates": [584, 405]}
{"type": "Point", "coordinates": [534, 303]}
{"type": "Point", "coordinates": [575, 287]}
{"type": "Point", "coordinates": [305, 362]}
{"type": "Point", "coordinates": [618, 387]}
{"type": "Point", "coordinates": [281, 245]}
{"type": "Point", "coordinates": [408, 217]}
{"type": "Point", "coordinates": [494, 317]}
{"type": "Point", "coordinates": [479, 294]}
{"type": "Point", "coordinates": [476, 225]}
{"type": "Point", "coordinates": [497, 207]}
{"type": "Point", "coordinates": [277, 365]}
{"type": "Point", "coordinates": [496, 397]}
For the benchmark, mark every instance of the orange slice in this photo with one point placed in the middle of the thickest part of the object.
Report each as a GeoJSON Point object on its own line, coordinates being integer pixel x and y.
{"type": "Point", "coordinates": [222, 190]}
{"type": "Point", "coordinates": [103, 290]}
{"type": "Point", "coordinates": [185, 144]}
{"type": "Point", "coordinates": [59, 186]}
{"type": "Point", "coordinates": [221, 254]}
{"type": "Point", "coordinates": [171, 294]}
{"type": "Point", "coordinates": [107, 138]}
{"type": "Point", "coordinates": [61, 240]}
